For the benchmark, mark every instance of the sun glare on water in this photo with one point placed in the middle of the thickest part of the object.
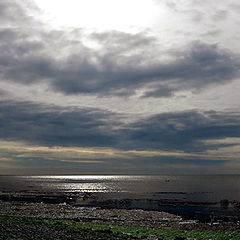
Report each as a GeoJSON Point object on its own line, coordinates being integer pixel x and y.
{"type": "Point", "coordinates": [101, 15]}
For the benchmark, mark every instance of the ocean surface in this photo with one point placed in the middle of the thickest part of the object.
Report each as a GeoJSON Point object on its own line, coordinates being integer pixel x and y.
{"type": "Point", "coordinates": [188, 188]}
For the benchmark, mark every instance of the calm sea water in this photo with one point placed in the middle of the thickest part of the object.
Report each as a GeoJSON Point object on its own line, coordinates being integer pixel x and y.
{"type": "Point", "coordinates": [194, 188]}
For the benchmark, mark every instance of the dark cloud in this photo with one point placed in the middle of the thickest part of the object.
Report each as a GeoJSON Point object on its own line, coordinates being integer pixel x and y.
{"type": "Point", "coordinates": [126, 62]}
{"type": "Point", "coordinates": [41, 125]}
{"type": "Point", "coordinates": [52, 126]}
{"type": "Point", "coordinates": [55, 126]}
{"type": "Point", "coordinates": [183, 131]}
{"type": "Point", "coordinates": [112, 74]}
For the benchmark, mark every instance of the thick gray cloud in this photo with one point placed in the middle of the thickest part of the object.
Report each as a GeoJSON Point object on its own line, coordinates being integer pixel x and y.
{"type": "Point", "coordinates": [126, 62]}
{"type": "Point", "coordinates": [196, 67]}
{"type": "Point", "coordinates": [168, 61]}
{"type": "Point", "coordinates": [184, 131]}
{"type": "Point", "coordinates": [52, 126]}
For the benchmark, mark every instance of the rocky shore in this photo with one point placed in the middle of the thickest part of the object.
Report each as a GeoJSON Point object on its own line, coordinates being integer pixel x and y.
{"type": "Point", "coordinates": [60, 217]}
{"type": "Point", "coordinates": [123, 217]}
{"type": "Point", "coordinates": [222, 211]}
{"type": "Point", "coordinates": [25, 215]}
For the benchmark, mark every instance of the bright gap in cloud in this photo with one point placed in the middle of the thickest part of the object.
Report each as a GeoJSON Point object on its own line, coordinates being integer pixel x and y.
{"type": "Point", "coordinates": [121, 15]}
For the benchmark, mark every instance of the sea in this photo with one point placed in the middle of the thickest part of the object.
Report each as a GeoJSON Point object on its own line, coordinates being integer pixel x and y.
{"type": "Point", "coordinates": [193, 188]}
{"type": "Point", "coordinates": [145, 191]}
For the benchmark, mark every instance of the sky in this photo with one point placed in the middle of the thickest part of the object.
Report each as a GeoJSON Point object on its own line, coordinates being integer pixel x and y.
{"type": "Point", "coordinates": [119, 87]}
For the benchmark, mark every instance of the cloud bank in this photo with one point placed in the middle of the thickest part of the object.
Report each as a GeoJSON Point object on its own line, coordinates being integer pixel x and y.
{"type": "Point", "coordinates": [152, 69]}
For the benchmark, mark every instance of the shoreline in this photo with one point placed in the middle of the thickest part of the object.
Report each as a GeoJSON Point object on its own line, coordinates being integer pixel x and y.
{"type": "Point", "coordinates": [124, 217]}
{"type": "Point", "coordinates": [224, 211]}
{"type": "Point", "coordinates": [30, 221]}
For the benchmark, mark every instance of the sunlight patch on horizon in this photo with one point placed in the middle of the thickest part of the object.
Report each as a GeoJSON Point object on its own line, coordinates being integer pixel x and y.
{"type": "Point", "coordinates": [99, 155]}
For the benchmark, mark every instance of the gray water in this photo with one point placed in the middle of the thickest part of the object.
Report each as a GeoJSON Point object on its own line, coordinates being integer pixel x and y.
{"type": "Point", "coordinates": [192, 188]}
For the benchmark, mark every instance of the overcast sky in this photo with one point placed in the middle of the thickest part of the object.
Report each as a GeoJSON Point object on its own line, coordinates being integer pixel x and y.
{"type": "Point", "coordinates": [119, 87]}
